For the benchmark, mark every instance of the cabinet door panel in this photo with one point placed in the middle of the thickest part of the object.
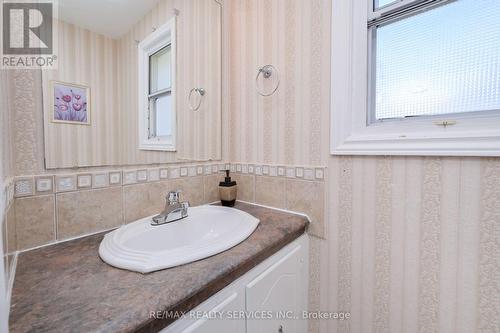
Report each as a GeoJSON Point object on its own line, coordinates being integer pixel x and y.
{"type": "Point", "coordinates": [234, 302]}
{"type": "Point", "coordinates": [279, 294]}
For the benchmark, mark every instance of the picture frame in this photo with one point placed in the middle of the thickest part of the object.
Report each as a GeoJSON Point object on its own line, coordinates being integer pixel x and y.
{"type": "Point", "coordinates": [70, 103]}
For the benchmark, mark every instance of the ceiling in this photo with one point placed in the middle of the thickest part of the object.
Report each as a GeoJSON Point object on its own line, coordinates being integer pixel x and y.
{"type": "Point", "coordinates": [112, 18]}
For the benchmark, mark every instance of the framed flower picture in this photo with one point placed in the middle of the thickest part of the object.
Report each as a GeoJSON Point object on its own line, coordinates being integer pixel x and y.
{"type": "Point", "coordinates": [70, 103]}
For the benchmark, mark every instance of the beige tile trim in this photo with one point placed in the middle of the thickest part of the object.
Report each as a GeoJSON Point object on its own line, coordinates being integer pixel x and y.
{"type": "Point", "coordinates": [314, 173]}
{"type": "Point", "coordinates": [121, 176]}
{"type": "Point", "coordinates": [155, 174]}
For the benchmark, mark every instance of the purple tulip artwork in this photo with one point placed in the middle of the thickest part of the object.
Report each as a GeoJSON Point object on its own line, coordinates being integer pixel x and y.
{"type": "Point", "coordinates": [71, 103]}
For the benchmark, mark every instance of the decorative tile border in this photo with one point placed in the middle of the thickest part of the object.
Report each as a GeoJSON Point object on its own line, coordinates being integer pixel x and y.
{"type": "Point", "coordinates": [44, 184]}
{"type": "Point", "coordinates": [129, 177]}
{"type": "Point", "coordinates": [100, 180]}
{"type": "Point", "coordinates": [84, 181]}
{"type": "Point", "coordinates": [153, 175]}
{"type": "Point", "coordinates": [65, 183]}
{"type": "Point", "coordinates": [24, 187]}
{"type": "Point", "coordinates": [142, 176]}
{"type": "Point", "coordinates": [164, 173]}
{"type": "Point", "coordinates": [115, 178]}
{"type": "Point", "coordinates": [287, 171]}
{"type": "Point", "coordinates": [47, 184]}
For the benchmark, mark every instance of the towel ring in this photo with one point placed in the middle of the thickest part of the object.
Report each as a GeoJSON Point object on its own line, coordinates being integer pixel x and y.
{"type": "Point", "coordinates": [267, 72]}
{"type": "Point", "coordinates": [201, 92]}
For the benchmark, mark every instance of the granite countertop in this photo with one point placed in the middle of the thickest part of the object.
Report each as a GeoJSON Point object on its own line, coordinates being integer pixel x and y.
{"type": "Point", "coordinates": [66, 287]}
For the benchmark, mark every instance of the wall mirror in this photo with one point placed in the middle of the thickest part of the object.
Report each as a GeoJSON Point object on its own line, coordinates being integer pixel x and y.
{"type": "Point", "coordinates": [137, 82]}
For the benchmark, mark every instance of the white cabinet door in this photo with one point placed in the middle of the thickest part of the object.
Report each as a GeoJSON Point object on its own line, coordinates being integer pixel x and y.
{"type": "Point", "coordinates": [207, 319]}
{"type": "Point", "coordinates": [276, 288]}
{"type": "Point", "coordinates": [280, 293]}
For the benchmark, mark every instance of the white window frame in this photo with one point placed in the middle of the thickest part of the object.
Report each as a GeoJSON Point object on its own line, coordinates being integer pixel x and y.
{"type": "Point", "coordinates": [350, 132]}
{"type": "Point", "coordinates": [160, 38]}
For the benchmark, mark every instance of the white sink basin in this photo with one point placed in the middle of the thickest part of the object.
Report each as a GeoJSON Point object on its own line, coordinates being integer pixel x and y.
{"type": "Point", "coordinates": [206, 231]}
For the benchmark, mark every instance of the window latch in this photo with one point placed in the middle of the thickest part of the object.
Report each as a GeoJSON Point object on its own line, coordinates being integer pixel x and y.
{"type": "Point", "coordinates": [445, 123]}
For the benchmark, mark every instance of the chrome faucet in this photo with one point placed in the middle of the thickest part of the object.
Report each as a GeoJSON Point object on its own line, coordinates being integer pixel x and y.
{"type": "Point", "coordinates": [174, 209]}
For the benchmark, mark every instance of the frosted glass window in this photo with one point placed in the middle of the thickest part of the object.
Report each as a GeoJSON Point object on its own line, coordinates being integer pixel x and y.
{"type": "Point", "coordinates": [382, 3]}
{"type": "Point", "coordinates": [159, 70]}
{"type": "Point", "coordinates": [441, 61]}
{"type": "Point", "coordinates": [164, 115]}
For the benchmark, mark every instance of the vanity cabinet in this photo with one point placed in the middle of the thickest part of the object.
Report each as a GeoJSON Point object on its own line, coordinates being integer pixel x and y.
{"type": "Point", "coordinates": [270, 298]}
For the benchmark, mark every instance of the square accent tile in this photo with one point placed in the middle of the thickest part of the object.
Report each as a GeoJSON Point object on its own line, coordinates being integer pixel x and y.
{"type": "Point", "coordinates": [238, 167]}
{"type": "Point", "coordinates": [290, 172]}
{"type": "Point", "coordinates": [309, 174]}
{"type": "Point", "coordinates": [273, 171]}
{"type": "Point", "coordinates": [319, 173]}
{"type": "Point", "coordinates": [153, 175]}
{"type": "Point", "coordinates": [44, 184]}
{"type": "Point", "coordinates": [281, 171]}
{"type": "Point", "coordinates": [208, 170]}
{"type": "Point", "coordinates": [129, 177]}
{"type": "Point", "coordinates": [233, 168]}
{"type": "Point", "coordinates": [184, 172]}
{"type": "Point", "coordinates": [100, 180]}
{"type": "Point", "coordinates": [227, 166]}
{"type": "Point", "coordinates": [251, 169]}
{"type": "Point", "coordinates": [265, 170]}
{"type": "Point", "coordinates": [84, 181]}
{"type": "Point", "coordinates": [115, 178]}
{"type": "Point", "coordinates": [142, 175]}
{"type": "Point", "coordinates": [222, 167]}
{"type": "Point", "coordinates": [174, 173]}
{"type": "Point", "coordinates": [258, 170]}
{"type": "Point", "coordinates": [244, 168]}
{"type": "Point", "coordinates": [299, 172]}
{"type": "Point", "coordinates": [199, 169]}
{"type": "Point", "coordinates": [192, 171]}
{"type": "Point", "coordinates": [215, 168]}
{"type": "Point", "coordinates": [164, 173]}
{"type": "Point", "coordinates": [23, 187]}
{"type": "Point", "coordinates": [66, 183]}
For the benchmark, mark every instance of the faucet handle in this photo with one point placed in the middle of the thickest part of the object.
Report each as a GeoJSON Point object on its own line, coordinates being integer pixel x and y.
{"type": "Point", "coordinates": [173, 197]}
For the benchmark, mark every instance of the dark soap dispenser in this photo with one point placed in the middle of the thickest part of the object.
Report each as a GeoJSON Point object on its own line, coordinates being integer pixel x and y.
{"type": "Point", "coordinates": [228, 191]}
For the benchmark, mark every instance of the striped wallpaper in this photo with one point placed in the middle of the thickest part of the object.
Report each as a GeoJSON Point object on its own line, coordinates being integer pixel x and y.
{"type": "Point", "coordinates": [85, 58]}
{"type": "Point", "coordinates": [290, 127]}
{"type": "Point", "coordinates": [199, 64]}
{"type": "Point", "coordinates": [413, 242]}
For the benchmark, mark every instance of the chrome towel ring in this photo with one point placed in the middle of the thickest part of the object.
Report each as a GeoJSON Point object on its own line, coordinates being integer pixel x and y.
{"type": "Point", "coordinates": [267, 72]}
{"type": "Point", "coordinates": [201, 92]}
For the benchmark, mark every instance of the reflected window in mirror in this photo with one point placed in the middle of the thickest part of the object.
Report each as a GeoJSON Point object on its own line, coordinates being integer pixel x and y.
{"type": "Point", "coordinates": [157, 118]}
{"type": "Point", "coordinates": [160, 94]}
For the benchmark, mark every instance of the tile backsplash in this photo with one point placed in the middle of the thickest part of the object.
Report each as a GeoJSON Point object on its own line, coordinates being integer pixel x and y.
{"type": "Point", "coordinates": [57, 207]}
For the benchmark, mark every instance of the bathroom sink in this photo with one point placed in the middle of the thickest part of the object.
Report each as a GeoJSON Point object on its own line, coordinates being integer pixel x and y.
{"type": "Point", "coordinates": [208, 230]}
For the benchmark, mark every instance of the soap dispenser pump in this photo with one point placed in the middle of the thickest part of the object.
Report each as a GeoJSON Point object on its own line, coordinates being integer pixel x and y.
{"type": "Point", "coordinates": [228, 191]}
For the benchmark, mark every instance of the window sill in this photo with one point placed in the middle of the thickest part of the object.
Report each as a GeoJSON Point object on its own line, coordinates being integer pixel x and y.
{"type": "Point", "coordinates": [413, 147]}
{"type": "Point", "coordinates": [157, 147]}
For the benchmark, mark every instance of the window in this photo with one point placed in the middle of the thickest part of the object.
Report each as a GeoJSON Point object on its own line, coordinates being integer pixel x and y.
{"type": "Point", "coordinates": [157, 118]}
{"type": "Point", "coordinates": [424, 77]}
{"type": "Point", "coordinates": [425, 68]}
{"type": "Point", "coordinates": [160, 94]}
